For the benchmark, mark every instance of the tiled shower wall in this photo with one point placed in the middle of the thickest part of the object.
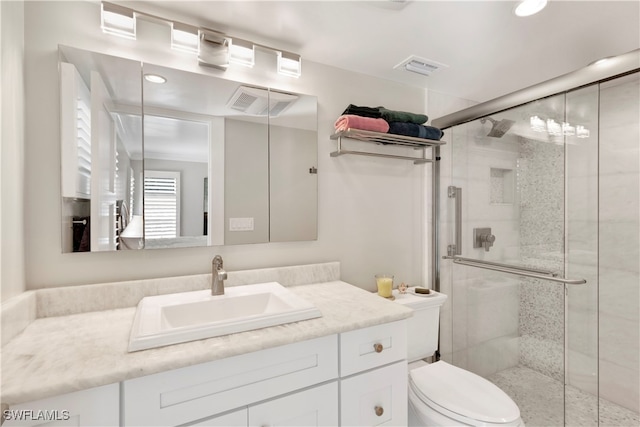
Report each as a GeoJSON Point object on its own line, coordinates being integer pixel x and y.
{"type": "Point", "coordinates": [540, 181]}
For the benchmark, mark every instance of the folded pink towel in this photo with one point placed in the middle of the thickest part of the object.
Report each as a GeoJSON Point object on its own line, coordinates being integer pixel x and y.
{"type": "Point", "coordinates": [347, 121]}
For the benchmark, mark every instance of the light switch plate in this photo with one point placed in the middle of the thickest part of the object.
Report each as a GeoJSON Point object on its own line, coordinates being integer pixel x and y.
{"type": "Point", "coordinates": [240, 224]}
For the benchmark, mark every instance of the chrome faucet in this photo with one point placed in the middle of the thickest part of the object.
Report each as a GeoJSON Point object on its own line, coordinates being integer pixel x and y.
{"type": "Point", "coordinates": [218, 276]}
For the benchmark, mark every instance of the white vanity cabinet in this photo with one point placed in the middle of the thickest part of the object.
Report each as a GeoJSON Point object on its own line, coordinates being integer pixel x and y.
{"type": "Point", "coordinates": [99, 406]}
{"type": "Point", "coordinates": [356, 378]}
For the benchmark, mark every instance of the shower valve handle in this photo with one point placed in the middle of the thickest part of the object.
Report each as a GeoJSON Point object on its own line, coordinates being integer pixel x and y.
{"type": "Point", "coordinates": [487, 241]}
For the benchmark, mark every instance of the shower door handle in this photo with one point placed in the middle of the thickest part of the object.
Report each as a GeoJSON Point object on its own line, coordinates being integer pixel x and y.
{"type": "Point", "coordinates": [456, 193]}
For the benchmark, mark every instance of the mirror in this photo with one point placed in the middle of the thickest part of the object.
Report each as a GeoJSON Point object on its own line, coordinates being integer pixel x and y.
{"type": "Point", "coordinates": [202, 161]}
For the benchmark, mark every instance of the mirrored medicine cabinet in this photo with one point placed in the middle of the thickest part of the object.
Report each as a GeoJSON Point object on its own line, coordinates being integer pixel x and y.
{"type": "Point", "coordinates": [154, 157]}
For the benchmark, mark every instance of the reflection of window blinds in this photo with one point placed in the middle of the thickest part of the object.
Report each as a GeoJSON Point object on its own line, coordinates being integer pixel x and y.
{"type": "Point", "coordinates": [161, 204]}
{"type": "Point", "coordinates": [132, 191]}
{"type": "Point", "coordinates": [83, 123]}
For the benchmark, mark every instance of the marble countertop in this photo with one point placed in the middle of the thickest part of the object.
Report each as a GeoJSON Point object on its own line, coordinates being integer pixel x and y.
{"type": "Point", "coordinates": [57, 355]}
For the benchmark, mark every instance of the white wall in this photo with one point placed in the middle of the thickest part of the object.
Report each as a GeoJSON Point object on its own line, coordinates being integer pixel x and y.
{"type": "Point", "coordinates": [370, 214]}
{"type": "Point", "coordinates": [12, 274]}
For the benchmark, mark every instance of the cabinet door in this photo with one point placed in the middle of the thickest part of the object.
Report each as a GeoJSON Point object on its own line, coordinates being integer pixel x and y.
{"type": "Point", "coordinates": [93, 407]}
{"type": "Point", "coordinates": [232, 419]}
{"type": "Point", "coordinates": [317, 406]}
{"type": "Point", "coordinates": [375, 398]}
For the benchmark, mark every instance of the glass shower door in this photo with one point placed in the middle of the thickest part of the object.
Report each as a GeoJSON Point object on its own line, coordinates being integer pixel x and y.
{"type": "Point", "coordinates": [512, 171]}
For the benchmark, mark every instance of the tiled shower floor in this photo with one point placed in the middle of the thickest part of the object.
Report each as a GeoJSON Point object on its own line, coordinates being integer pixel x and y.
{"type": "Point", "coordinates": [541, 402]}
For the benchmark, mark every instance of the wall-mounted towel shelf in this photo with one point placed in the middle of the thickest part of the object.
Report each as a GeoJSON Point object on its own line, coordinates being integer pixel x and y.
{"type": "Point", "coordinates": [385, 139]}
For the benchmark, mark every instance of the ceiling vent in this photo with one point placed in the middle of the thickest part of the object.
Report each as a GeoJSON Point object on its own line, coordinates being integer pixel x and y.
{"type": "Point", "coordinates": [260, 102]}
{"type": "Point", "coordinates": [419, 65]}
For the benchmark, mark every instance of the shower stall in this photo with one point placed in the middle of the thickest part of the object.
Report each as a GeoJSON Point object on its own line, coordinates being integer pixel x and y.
{"type": "Point", "coordinates": [539, 246]}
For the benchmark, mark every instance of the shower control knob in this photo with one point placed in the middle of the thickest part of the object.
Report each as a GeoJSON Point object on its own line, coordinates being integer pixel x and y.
{"type": "Point", "coordinates": [487, 241]}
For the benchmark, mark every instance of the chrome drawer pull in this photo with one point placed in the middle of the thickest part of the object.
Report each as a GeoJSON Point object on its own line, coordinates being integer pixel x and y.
{"type": "Point", "coordinates": [379, 411]}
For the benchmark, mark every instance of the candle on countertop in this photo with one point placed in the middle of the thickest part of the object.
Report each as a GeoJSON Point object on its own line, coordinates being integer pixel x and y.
{"type": "Point", "coordinates": [385, 284]}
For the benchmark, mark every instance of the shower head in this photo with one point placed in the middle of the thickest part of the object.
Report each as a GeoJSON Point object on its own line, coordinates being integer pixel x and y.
{"type": "Point", "coordinates": [498, 128]}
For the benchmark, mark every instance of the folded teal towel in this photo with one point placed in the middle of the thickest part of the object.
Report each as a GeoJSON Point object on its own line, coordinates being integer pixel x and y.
{"type": "Point", "coordinates": [415, 130]}
{"type": "Point", "coordinates": [402, 116]}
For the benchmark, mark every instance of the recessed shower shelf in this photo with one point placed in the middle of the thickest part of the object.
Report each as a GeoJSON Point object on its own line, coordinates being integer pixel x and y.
{"type": "Point", "coordinates": [385, 139]}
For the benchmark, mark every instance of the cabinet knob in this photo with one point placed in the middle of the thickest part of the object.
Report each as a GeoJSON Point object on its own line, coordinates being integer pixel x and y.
{"type": "Point", "coordinates": [379, 411]}
{"type": "Point", "coordinates": [378, 347]}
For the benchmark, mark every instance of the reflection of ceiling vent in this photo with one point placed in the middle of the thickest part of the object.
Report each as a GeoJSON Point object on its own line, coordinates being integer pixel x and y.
{"type": "Point", "coordinates": [420, 65]}
{"type": "Point", "coordinates": [260, 102]}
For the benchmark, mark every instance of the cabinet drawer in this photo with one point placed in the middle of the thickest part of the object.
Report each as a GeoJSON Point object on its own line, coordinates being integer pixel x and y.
{"type": "Point", "coordinates": [317, 406]}
{"type": "Point", "coordinates": [368, 348]}
{"type": "Point", "coordinates": [375, 398]}
{"type": "Point", "coordinates": [196, 392]}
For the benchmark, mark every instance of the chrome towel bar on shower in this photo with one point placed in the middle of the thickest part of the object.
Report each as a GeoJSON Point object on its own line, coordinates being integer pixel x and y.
{"type": "Point", "coordinates": [512, 269]}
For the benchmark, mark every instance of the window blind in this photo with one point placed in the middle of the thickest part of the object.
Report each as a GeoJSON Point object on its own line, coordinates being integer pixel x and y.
{"type": "Point", "coordinates": [161, 204]}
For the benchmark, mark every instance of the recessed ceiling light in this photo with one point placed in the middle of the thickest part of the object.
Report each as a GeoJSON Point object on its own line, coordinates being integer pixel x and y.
{"type": "Point", "coordinates": [529, 7]}
{"type": "Point", "coordinates": [155, 78]}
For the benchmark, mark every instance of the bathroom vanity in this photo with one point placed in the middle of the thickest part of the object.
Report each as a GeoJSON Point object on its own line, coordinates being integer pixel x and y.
{"type": "Point", "coordinates": [347, 367]}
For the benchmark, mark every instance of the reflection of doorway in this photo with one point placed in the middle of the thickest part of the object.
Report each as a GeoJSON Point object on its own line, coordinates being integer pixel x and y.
{"type": "Point", "coordinates": [192, 144]}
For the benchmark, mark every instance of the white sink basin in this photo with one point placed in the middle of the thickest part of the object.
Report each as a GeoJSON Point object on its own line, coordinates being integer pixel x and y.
{"type": "Point", "coordinates": [174, 318]}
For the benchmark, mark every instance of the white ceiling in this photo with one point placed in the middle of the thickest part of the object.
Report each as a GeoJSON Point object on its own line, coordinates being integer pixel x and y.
{"type": "Point", "coordinates": [489, 51]}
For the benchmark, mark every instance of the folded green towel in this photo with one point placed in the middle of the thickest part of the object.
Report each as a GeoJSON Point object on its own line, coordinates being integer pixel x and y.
{"type": "Point", "coordinates": [402, 116]}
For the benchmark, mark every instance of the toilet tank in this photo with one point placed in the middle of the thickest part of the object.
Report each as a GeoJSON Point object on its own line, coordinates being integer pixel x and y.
{"type": "Point", "coordinates": [422, 327]}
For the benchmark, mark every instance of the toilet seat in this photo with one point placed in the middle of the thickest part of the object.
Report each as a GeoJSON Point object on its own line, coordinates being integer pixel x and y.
{"type": "Point", "coordinates": [462, 395]}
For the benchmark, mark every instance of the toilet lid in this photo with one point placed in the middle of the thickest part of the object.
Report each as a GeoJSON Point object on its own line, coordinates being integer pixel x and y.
{"type": "Point", "coordinates": [463, 393]}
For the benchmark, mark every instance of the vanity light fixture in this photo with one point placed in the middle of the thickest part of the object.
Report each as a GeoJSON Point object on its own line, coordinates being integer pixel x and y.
{"type": "Point", "coordinates": [184, 38]}
{"type": "Point", "coordinates": [118, 20]}
{"type": "Point", "coordinates": [554, 128]}
{"type": "Point", "coordinates": [155, 78]}
{"type": "Point", "coordinates": [537, 124]}
{"type": "Point", "coordinates": [568, 130]}
{"type": "Point", "coordinates": [214, 49]}
{"type": "Point", "coordinates": [242, 52]}
{"type": "Point", "coordinates": [289, 64]}
{"type": "Point", "coordinates": [529, 7]}
{"type": "Point", "coordinates": [582, 132]}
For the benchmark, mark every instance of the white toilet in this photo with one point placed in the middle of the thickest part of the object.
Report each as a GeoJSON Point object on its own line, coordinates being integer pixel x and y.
{"type": "Point", "coordinates": [441, 394]}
